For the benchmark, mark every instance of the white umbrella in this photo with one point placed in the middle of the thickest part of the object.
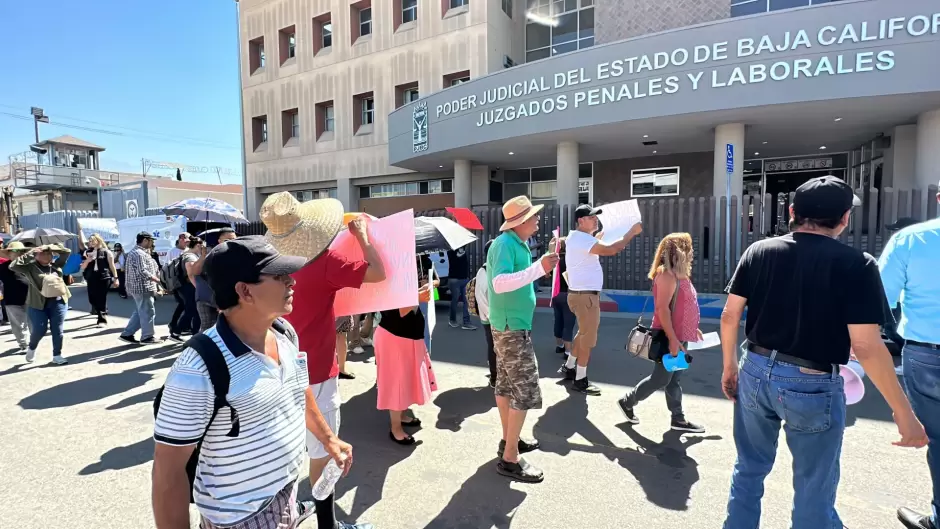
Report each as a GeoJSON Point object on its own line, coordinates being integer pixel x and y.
{"type": "Point", "coordinates": [41, 236]}
{"type": "Point", "coordinates": [440, 234]}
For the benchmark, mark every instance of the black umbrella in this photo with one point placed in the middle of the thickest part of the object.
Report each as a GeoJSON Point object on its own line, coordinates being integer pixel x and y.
{"type": "Point", "coordinates": [440, 234]}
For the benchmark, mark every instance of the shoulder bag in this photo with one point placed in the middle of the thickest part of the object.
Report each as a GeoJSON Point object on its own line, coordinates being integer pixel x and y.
{"type": "Point", "coordinates": [645, 342]}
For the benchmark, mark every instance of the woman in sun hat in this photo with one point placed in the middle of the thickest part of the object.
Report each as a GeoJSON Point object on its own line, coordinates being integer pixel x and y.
{"type": "Point", "coordinates": [15, 290]}
{"type": "Point", "coordinates": [307, 229]}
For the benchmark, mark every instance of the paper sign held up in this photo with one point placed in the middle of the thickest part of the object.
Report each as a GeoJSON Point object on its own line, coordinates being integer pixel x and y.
{"type": "Point", "coordinates": [394, 239]}
{"type": "Point", "coordinates": [618, 218]}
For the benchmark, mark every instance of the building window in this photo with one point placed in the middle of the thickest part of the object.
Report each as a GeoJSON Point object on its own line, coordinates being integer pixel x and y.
{"type": "Point", "coordinates": [328, 119]}
{"type": "Point", "coordinates": [324, 120]}
{"type": "Point", "coordinates": [456, 78]}
{"type": "Point", "coordinates": [315, 194]}
{"type": "Point", "coordinates": [365, 22]}
{"type": "Point", "coordinates": [656, 182]}
{"type": "Point", "coordinates": [507, 7]}
{"type": "Point", "coordinates": [409, 10]}
{"type": "Point", "coordinates": [290, 125]}
{"type": "Point", "coordinates": [327, 28]}
{"type": "Point", "coordinates": [406, 93]}
{"type": "Point", "coordinates": [459, 3]}
{"type": "Point", "coordinates": [287, 38]}
{"type": "Point", "coordinates": [459, 80]}
{"type": "Point", "coordinates": [556, 27]}
{"type": "Point", "coordinates": [368, 111]}
{"type": "Point", "coordinates": [411, 95]}
{"type": "Point", "coordinates": [259, 132]}
{"type": "Point", "coordinates": [740, 8]}
{"type": "Point", "coordinates": [322, 33]}
{"type": "Point", "coordinates": [540, 184]}
{"type": "Point", "coordinates": [405, 189]}
{"type": "Point", "coordinates": [256, 54]}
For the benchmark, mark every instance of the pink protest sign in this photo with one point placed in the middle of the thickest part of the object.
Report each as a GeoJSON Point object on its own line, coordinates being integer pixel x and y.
{"type": "Point", "coordinates": [556, 281]}
{"type": "Point", "coordinates": [394, 239]}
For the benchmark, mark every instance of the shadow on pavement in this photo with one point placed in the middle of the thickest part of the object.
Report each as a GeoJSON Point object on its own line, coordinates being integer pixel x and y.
{"type": "Point", "coordinates": [668, 481]}
{"type": "Point", "coordinates": [562, 420]}
{"type": "Point", "coordinates": [485, 499]}
{"type": "Point", "coordinates": [459, 404]}
{"type": "Point", "coordinates": [84, 390]}
{"type": "Point", "coordinates": [122, 457]}
{"type": "Point", "coordinates": [139, 398]}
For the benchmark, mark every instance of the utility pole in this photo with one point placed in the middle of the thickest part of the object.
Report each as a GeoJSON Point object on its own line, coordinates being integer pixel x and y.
{"type": "Point", "coordinates": [38, 117]}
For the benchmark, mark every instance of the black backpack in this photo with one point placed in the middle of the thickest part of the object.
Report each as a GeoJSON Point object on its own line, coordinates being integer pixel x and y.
{"type": "Point", "coordinates": [220, 378]}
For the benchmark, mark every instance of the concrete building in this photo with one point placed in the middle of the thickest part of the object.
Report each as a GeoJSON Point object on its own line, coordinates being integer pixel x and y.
{"type": "Point", "coordinates": [431, 103]}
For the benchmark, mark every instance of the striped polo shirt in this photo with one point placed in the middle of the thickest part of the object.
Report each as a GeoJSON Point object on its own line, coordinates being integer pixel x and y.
{"type": "Point", "coordinates": [238, 476]}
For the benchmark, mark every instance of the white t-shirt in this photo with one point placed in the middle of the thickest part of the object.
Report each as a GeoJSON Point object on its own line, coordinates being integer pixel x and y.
{"type": "Point", "coordinates": [173, 254]}
{"type": "Point", "coordinates": [584, 268]}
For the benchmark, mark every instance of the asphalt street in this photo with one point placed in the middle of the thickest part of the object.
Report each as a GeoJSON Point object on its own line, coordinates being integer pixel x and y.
{"type": "Point", "coordinates": [76, 445]}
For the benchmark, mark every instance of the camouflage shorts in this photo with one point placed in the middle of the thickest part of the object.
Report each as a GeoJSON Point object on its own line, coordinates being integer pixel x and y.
{"type": "Point", "coordinates": [517, 370]}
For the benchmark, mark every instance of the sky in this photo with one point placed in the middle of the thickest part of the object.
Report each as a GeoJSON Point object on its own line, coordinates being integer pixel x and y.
{"type": "Point", "coordinates": [155, 80]}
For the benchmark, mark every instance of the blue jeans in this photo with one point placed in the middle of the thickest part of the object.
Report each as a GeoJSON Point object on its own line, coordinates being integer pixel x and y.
{"type": "Point", "coordinates": [922, 382]}
{"type": "Point", "coordinates": [143, 316]}
{"type": "Point", "coordinates": [458, 293]}
{"type": "Point", "coordinates": [52, 315]}
{"type": "Point", "coordinates": [812, 409]}
{"type": "Point", "coordinates": [564, 318]}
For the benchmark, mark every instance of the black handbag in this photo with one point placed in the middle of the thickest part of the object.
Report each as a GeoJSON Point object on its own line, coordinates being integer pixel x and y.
{"type": "Point", "coordinates": [647, 343]}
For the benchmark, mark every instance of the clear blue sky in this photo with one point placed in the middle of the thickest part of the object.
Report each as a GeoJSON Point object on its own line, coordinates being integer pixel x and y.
{"type": "Point", "coordinates": [167, 69]}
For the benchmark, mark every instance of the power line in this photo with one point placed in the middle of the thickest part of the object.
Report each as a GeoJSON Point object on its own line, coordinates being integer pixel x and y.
{"type": "Point", "coordinates": [178, 139]}
{"type": "Point", "coordinates": [112, 126]}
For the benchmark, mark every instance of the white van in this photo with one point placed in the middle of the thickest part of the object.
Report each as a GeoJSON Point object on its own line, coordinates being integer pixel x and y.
{"type": "Point", "coordinates": [165, 230]}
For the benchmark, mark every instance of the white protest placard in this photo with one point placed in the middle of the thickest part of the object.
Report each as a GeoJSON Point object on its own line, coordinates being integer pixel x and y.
{"type": "Point", "coordinates": [618, 218]}
{"type": "Point", "coordinates": [710, 339]}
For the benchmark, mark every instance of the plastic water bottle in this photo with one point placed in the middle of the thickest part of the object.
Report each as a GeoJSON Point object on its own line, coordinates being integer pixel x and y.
{"type": "Point", "coordinates": [327, 481]}
{"type": "Point", "coordinates": [676, 363]}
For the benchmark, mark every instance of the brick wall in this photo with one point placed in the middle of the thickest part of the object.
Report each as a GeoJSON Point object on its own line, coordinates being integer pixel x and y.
{"type": "Point", "coordinates": [622, 19]}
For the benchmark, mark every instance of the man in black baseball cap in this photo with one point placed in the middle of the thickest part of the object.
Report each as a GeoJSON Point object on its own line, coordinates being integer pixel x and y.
{"type": "Point", "coordinates": [234, 268]}
{"type": "Point", "coordinates": [810, 300]}
{"type": "Point", "coordinates": [586, 210]}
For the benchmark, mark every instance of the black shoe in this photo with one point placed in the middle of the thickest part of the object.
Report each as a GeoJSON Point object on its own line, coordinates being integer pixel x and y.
{"type": "Point", "coordinates": [566, 372]}
{"type": "Point", "coordinates": [102, 320]}
{"type": "Point", "coordinates": [521, 471]}
{"type": "Point", "coordinates": [407, 441]}
{"type": "Point", "coordinates": [346, 376]}
{"type": "Point", "coordinates": [413, 423]}
{"type": "Point", "coordinates": [627, 411]}
{"type": "Point", "coordinates": [560, 349]}
{"type": "Point", "coordinates": [305, 509]}
{"type": "Point", "coordinates": [129, 339]}
{"type": "Point", "coordinates": [914, 520]}
{"type": "Point", "coordinates": [524, 446]}
{"type": "Point", "coordinates": [584, 386]}
{"type": "Point", "coordinates": [686, 426]}
{"type": "Point", "coordinates": [176, 338]}
{"type": "Point", "coordinates": [152, 340]}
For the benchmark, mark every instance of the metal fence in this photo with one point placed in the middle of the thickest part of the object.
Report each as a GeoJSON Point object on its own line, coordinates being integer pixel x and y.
{"type": "Point", "coordinates": [705, 218]}
{"type": "Point", "coordinates": [63, 220]}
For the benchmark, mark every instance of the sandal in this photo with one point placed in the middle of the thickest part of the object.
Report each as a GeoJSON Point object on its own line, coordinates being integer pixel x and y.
{"type": "Point", "coordinates": [407, 441]}
{"type": "Point", "coordinates": [413, 423]}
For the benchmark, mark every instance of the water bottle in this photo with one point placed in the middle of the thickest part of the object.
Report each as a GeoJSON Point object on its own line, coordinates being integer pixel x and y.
{"type": "Point", "coordinates": [676, 363]}
{"type": "Point", "coordinates": [324, 485]}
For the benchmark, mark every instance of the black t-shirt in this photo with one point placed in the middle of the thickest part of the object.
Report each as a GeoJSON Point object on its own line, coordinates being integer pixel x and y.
{"type": "Point", "coordinates": [803, 290]}
{"type": "Point", "coordinates": [15, 287]}
{"type": "Point", "coordinates": [459, 266]}
{"type": "Point", "coordinates": [563, 268]}
{"type": "Point", "coordinates": [410, 326]}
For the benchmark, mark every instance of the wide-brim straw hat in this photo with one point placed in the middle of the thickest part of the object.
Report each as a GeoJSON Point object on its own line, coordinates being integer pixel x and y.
{"type": "Point", "coordinates": [517, 211]}
{"type": "Point", "coordinates": [303, 229]}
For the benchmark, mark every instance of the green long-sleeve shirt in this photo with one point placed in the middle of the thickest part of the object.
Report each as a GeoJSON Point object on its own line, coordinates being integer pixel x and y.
{"type": "Point", "coordinates": [29, 269]}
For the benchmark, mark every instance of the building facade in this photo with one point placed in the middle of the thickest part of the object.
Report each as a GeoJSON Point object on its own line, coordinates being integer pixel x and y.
{"type": "Point", "coordinates": [431, 103]}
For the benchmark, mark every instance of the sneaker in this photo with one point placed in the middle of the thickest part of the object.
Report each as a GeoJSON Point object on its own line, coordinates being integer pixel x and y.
{"type": "Point", "coordinates": [686, 426]}
{"type": "Point", "coordinates": [453, 324]}
{"type": "Point", "coordinates": [627, 411]}
{"type": "Point", "coordinates": [560, 349]}
{"type": "Point", "coordinates": [584, 386]}
{"type": "Point", "coordinates": [59, 360]}
{"type": "Point", "coordinates": [566, 372]}
{"type": "Point", "coordinates": [358, 350]}
{"type": "Point", "coordinates": [524, 446]}
{"type": "Point", "coordinates": [176, 338]}
{"type": "Point", "coordinates": [468, 327]}
{"type": "Point", "coordinates": [305, 509]}
{"type": "Point", "coordinates": [914, 520]}
{"type": "Point", "coordinates": [129, 339]}
{"type": "Point", "coordinates": [346, 525]}
{"type": "Point", "coordinates": [152, 340]}
{"type": "Point", "coordinates": [30, 355]}
{"type": "Point", "coordinates": [521, 471]}
{"type": "Point", "coordinates": [23, 350]}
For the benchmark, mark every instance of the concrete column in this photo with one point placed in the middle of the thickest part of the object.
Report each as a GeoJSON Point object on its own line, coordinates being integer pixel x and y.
{"type": "Point", "coordinates": [927, 160]}
{"type": "Point", "coordinates": [898, 170]}
{"type": "Point", "coordinates": [462, 184]}
{"type": "Point", "coordinates": [732, 133]}
{"type": "Point", "coordinates": [347, 193]}
{"type": "Point", "coordinates": [480, 185]}
{"type": "Point", "coordinates": [568, 160]}
{"type": "Point", "coordinates": [253, 203]}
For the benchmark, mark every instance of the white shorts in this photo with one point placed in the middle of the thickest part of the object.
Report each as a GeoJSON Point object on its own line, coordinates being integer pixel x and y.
{"type": "Point", "coordinates": [328, 400]}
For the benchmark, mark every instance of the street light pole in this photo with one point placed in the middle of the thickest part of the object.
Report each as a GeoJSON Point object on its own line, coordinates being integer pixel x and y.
{"type": "Point", "coordinates": [241, 111]}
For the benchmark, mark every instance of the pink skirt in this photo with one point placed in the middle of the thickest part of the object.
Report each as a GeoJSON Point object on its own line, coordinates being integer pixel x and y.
{"type": "Point", "coordinates": [405, 376]}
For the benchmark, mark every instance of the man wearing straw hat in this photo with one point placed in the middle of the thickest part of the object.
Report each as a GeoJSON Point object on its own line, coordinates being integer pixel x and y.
{"type": "Point", "coordinates": [306, 230]}
{"type": "Point", "coordinates": [511, 273]}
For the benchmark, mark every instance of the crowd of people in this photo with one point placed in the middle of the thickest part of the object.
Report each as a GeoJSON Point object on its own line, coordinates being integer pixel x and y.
{"type": "Point", "coordinates": [255, 393]}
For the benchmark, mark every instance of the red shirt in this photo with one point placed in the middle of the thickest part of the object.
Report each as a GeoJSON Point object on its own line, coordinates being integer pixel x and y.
{"type": "Point", "coordinates": [312, 318]}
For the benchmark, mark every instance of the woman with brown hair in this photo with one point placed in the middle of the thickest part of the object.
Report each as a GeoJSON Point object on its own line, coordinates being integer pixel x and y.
{"type": "Point", "coordinates": [676, 316]}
